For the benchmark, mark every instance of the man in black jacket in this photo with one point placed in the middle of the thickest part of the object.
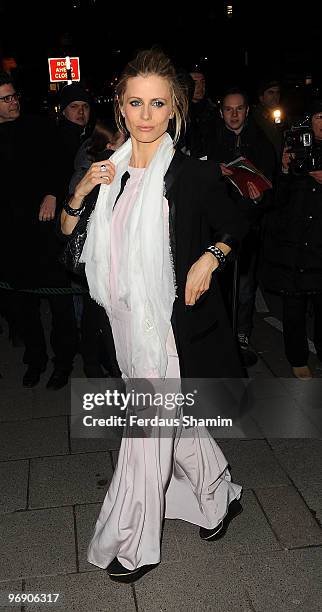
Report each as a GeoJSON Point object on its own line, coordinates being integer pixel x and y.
{"type": "Point", "coordinates": [27, 257]}
{"type": "Point", "coordinates": [237, 135]}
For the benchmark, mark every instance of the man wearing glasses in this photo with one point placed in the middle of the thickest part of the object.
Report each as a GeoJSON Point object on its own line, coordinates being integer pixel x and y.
{"type": "Point", "coordinates": [27, 247]}
{"type": "Point", "coordinates": [9, 104]}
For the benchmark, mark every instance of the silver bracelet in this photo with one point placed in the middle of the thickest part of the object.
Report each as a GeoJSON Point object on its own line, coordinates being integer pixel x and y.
{"type": "Point", "coordinates": [217, 252]}
{"type": "Point", "coordinates": [74, 212]}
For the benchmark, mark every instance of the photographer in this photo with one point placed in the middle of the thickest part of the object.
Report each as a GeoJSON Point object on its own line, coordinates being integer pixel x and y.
{"type": "Point", "coordinates": [292, 261]}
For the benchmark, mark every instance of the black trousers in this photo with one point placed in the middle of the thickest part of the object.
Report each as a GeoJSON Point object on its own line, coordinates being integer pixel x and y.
{"type": "Point", "coordinates": [97, 344]}
{"type": "Point", "coordinates": [295, 327]}
{"type": "Point", "coordinates": [247, 283]}
{"type": "Point", "coordinates": [24, 309]}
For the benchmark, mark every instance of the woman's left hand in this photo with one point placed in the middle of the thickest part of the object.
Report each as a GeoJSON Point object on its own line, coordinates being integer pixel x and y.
{"type": "Point", "coordinates": [317, 175]}
{"type": "Point", "coordinates": [199, 277]}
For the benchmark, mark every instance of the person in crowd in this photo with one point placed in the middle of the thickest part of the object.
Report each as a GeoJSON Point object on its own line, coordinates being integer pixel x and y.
{"type": "Point", "coordinates": [237, 135]}
{"type": "Point", "coordinates": [292, 259]}
{"type": "Point", "coordinates": [201, 117]}
{"type": "Point", "coordinates": [28, 201]}
{"type": "Point", "coordinates": [161, 229]}
{"type": "Point", "coordinates": [103, 141]}
{"type": "Point", "coordinates": [97, 344]}
{"type": "Point", "coordinates": [75, 126]}
{"type": "Point", "coordinates": [269, 98]}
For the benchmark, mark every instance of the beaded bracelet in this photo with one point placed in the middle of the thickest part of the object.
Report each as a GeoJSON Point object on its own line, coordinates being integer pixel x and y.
{"type": "Point", "coordinates": [74, 212]}
{"type": "Point", "coordinates": [217, 252]}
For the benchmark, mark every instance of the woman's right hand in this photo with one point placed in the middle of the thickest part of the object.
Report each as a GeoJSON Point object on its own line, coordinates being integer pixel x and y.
{"type": "Point", "coordinates": [99, 173]}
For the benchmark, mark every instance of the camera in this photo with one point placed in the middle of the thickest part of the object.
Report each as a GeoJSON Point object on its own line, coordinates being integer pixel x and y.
{"type": "Point", "coordinates": [300, 142]}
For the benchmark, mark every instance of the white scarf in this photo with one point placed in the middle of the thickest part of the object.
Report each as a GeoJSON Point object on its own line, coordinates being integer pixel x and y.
{"type": "Point", "coordinates": [146, 278]}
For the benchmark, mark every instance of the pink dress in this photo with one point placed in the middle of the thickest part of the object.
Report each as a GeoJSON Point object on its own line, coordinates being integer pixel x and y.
{"type": "Point", "coordinates": [179, 476]}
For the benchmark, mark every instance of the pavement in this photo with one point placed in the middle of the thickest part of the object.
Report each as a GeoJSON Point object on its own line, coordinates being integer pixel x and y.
{"type": "Point", "coordinates": [52, 486]}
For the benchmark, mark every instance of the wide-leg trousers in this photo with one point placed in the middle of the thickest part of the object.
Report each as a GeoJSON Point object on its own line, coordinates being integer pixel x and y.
{"type": "Point", "coordinates": [182, 474]}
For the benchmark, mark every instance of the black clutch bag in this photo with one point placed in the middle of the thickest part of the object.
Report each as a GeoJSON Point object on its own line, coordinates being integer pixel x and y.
{"type": "Point", "coordinates": [72, 250]}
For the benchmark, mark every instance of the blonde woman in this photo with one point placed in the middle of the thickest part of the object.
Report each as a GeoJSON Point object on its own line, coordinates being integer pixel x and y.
{"type": "Point", "coordinates": [147, 263]}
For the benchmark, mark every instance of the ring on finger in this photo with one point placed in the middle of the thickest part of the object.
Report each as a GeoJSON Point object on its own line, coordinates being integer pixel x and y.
{"type": "Point", "coordinates": [103, 168]}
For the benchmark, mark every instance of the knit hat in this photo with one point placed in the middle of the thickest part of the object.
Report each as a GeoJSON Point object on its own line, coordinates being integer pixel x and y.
{"type": "Point", "coordinates": [72, 93]}
{"type": "Point", "coordinates": [267, 84]}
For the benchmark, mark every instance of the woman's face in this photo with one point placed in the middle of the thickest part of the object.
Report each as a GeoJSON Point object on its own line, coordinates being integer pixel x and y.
{"type": "Point", "coordinates": [147, 107]}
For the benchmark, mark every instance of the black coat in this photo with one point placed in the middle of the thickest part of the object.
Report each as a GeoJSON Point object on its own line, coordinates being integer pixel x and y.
{"type": "Point", "coordinates": [200, 214]}
{"type": "Point", "coordinates": [36, 159]}
{"type": "Point", "coordinates": [224, 146]}
{"type": "Point", "coordinates": [292, 255]}
{"type": "Point", "coordinates": [27, 161]}
{"type": "Point", "coordinates": [69, 138]}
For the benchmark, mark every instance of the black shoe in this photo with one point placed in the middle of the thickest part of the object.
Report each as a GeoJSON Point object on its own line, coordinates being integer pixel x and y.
{"type": "Point", "coordinates": [58, 379]}
{"type": "Point", "coordinates": [32, 376]}
{"type": "Point", "coordinates": [119, 573]}
{"type": "Point", "coordinates": [219, 531]}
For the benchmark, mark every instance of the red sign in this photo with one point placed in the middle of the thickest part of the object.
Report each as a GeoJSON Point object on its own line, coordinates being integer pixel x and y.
{"type": "Point", "coordinates": [58, 70]}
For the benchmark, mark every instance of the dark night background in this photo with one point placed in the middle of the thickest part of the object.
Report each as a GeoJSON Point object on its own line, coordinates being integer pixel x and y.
{"type": "Point", "coordinates": [260, 38]}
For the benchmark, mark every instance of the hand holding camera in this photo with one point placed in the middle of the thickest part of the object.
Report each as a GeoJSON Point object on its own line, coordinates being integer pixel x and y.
{"type": "Point", "coordinates": [287, 158]}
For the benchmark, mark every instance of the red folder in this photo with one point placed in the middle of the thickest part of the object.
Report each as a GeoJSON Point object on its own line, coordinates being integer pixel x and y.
{"type": "Point", "coordinates": [244, 172]}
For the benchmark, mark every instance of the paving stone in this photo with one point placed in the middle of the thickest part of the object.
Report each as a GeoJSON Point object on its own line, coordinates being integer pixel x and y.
{"type": "Point", "coordinates": [9, 586]}
{"type": "Point", "coordinates": [307, 394]}
{"type": "Point", "coordinates": [36, 543]}
{"type": "Point", "coordinates": [248, 531]}
{"type": "Point", "coordinates": [111, 441]}
{"type": "Point", "coordinates": [303, 464]}
{"type": "Point", "coordinates": [288, 581]}
{"type": "Point", "coordinates": [253, 464]}
{"type": "Point", "coordinates": [47, 403]}
{"type": "Point", "coordinates": [38, 437]}
{"type": "Point", "coordinates": [86, 517]}
{"type": "Point", "coordinates": [314, 414]}
{"type": "Point", "coordinates": [94, 592]}
{"type": "Point", "coordinates": [68, 480]}
{"type": "Point", "coordinates": [170, 546]}
{"type": "Point", "coordinates": [16, 403]}
{"type": "Point", "coordinates": [282, 417]}
{"type": "Point", "coordinates": [293, 529]}
{"type": "Point", "coordinates": [13, 485]}
{"type": "Point", "coordinates": [266, 387]}
{"type": "Point", "coordinates": [188, 587]}
{"type": "Point", "coordinates": [289, 443]}
{"type": "Point", "coordinates": [95, 445]}
{"type": "Point", "coordinates": [312, 495]}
